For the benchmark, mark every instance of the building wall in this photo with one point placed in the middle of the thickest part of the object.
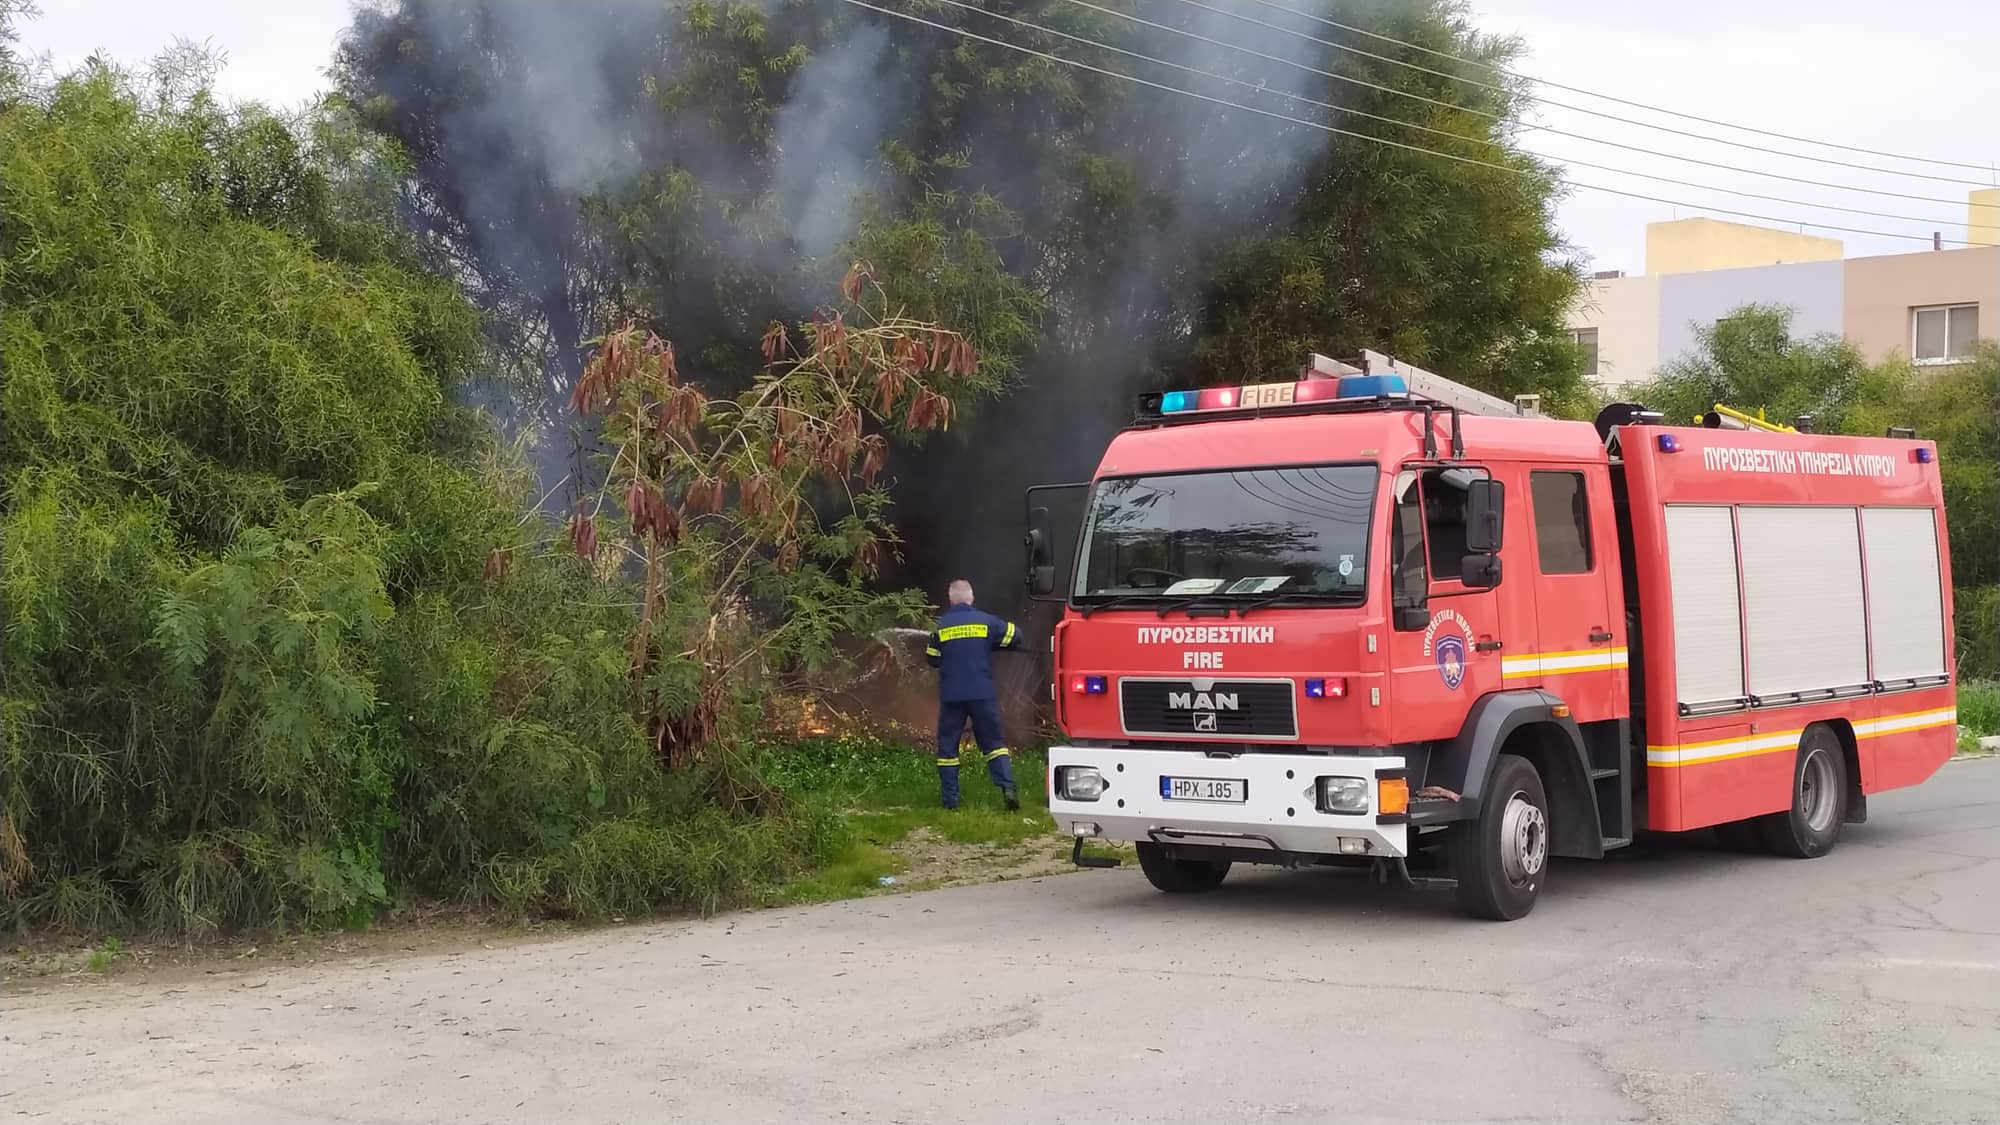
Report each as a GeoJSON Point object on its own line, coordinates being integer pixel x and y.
{"type": "Point", "coordinates": [1692, 245]}
{"type": "Point", "coordinates": [1982, 217]}
{"type": "Point", "coordinates": [1882, 291]}
{"type": "Point", "coordinates": [1692, 301]}
{"type": "Point", "coordinates": [1625, 312]}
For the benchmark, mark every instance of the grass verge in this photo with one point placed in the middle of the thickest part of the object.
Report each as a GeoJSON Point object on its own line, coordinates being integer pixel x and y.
{"type": "Point", "coordinates": [885, 793]}
{"type": "Point", "coordinates": [1978, 715]}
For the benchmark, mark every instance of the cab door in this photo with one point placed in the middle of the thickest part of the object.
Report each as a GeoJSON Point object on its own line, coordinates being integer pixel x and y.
{"type": "Point", "coordinates": [1579, 653]}
{"type": "Point", "coordinates": [1445, 642]}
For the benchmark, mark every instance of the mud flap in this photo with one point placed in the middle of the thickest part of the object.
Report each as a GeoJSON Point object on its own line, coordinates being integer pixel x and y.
{"type": "Point", "coordinates": [1077, 857]}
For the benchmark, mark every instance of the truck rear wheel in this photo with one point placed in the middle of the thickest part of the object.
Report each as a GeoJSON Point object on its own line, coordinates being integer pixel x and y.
{"type": "Point", "coordinates": [1180, 876]}
{"type": "Point", "coordinates": [1499, 859]}
{"type": "Point", "coordinates": [1811, 826]}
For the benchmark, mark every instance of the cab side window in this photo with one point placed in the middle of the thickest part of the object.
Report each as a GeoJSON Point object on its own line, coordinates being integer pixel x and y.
{"type": "Point", "coordinates": [1430, 528]}
{"type": "Point", "coordinates": [1444, 516]}
{"type": "Point", "coordinates": [1562, 522]}
{"type": "Point", "coordinates": [1411, 582]}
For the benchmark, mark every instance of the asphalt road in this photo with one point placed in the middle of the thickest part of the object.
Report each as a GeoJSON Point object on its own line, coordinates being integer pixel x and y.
{"type": "Point", "coordinates": [1679, 984]}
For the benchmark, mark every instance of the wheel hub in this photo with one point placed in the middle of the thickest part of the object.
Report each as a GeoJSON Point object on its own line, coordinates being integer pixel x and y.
{"type": "Point", "coordinates": [1524, 839]}
{"type": "Point", "coordinates": [1818, 798]}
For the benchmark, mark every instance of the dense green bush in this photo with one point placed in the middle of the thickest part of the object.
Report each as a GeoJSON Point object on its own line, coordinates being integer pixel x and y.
{"type": "Point", "coordinates": [280, 648]}
{"type": "Point", "coordinates": [1979, 708]}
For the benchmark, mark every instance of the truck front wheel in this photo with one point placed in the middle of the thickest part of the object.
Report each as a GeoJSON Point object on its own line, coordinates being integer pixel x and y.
{"type": "Point", "coordinates": [1499, 859]}
{"type": "Point", "coordinates": [1180, 876]}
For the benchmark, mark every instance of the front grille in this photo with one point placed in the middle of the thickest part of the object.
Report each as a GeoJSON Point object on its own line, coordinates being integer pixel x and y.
{"type": "Point", "coordinates": [1261, 708]}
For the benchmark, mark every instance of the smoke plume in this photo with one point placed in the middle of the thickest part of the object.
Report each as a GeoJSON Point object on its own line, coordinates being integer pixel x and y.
{"type": "Point", "coordinates": [520, 112]}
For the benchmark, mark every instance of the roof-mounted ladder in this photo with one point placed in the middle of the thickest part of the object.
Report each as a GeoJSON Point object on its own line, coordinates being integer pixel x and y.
{"type": "Point", "coordinates": [1425, 385]}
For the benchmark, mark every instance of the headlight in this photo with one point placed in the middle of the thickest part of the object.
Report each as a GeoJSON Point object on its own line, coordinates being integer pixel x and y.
{"type": "Point", "coordinates": [1343, 794]}
{"type": "Point", "coordinates": [1080, 783]}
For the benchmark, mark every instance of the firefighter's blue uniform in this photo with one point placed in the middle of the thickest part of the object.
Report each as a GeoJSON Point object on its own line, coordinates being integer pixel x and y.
{"type": "Point", "coordinates": [961, 649]}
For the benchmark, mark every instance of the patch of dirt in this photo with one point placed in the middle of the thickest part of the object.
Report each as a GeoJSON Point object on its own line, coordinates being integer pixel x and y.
{"type": "Point", "coordinates": [43, 963]}
{"type": "Point", "coordinates": [937, 862]}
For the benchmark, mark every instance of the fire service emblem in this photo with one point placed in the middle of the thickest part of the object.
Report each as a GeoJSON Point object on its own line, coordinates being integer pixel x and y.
{"type": "Point", "coordinates": [1446, 641]}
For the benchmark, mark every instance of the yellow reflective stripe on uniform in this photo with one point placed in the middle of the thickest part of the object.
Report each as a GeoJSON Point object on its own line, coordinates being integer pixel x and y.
{"type": "Point", "coordinates": [961, 632]}
{"type": "Point", "coordinates": [1000, 753]}
{"type": "Point", "coordinates": [932, 650]}
{"type": "Point", "coordinates": [1009, 638]}
{"type": "Point", "coordinates": [947, 761]}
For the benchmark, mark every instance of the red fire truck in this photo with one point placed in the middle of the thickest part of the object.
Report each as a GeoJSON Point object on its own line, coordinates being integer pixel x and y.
{"type": "Point", "coordinates": [1369, 614]}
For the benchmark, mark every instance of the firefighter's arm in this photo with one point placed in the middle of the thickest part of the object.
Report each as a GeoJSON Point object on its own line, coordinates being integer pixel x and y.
{"type": "Point", "coordinates": [1009, 637]}
{"type": "Point", "coordinates": [933, 650]}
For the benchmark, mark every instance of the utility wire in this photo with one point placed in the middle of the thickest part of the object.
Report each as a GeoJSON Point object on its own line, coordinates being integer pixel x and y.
{"type": "Point", "coordinates": [1299, 98]}
{"type": "Point", "coordinates": [1579, 109]}
{"type": "Point", "coordinates": [1390, 39]}
{"type": "Point", "coordinates": [1044, 55]}
{"type": "Point", "coordinates": [1489, 115]}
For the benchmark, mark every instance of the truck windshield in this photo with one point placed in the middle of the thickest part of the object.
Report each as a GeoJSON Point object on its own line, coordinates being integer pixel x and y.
{"type": "Point", "coordinates": [1231, 533]}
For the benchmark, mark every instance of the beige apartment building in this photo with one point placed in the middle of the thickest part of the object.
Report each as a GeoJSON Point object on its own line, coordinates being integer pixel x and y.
{"type": "Point", "coordinates": [1929, 305]}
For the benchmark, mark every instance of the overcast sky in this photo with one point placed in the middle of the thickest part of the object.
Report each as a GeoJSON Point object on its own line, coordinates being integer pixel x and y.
{"type": "Point", "coordinates": [1914, 78]}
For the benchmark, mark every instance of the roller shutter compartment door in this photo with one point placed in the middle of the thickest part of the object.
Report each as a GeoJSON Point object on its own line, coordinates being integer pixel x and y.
{"type": "Point", "coordinates": [1708, 626]}
{"type": "Point", "coordinates": [1905, 602]}
{"type": "Point", "coordinates": [1807, 628]}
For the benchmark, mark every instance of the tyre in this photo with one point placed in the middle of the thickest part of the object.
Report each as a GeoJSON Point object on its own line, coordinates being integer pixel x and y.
{"type": "Point", "coordinates": [1180, 876]}
{"type": "Point", "coordinates": [1810, 827]}
{"type": "Point", "coordinates": [1740, 836]}
{"type": "Point", "coordinates": [1500, 859]}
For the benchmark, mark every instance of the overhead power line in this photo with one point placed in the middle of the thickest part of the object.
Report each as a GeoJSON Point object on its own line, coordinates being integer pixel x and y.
{"type": "Point", "coordinates": [1060, 60]}
{"type": "Point", "coordinates": [1301, 99]}
{"type": "Point", "coordinates": [1492, 116]}
{"type": "Point", "coordinates": [1565, 105]}
{"type": "Point", "coordinates": [1553, 85]}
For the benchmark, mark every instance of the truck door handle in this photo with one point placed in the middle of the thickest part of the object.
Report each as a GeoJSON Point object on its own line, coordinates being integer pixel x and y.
{"type": "Point", "coordinates": [1487, 646]}
{"type": "Point", "coordinates": [1600, 635]}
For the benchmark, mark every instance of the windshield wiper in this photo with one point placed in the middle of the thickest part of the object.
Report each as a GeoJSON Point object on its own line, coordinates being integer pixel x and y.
{"type": "Point", "coordinates": [1087, 608]}
{"type": "Point", "coordinates": [1189, 603]}
{"type": "Point", "coordinates": [1334, 597]}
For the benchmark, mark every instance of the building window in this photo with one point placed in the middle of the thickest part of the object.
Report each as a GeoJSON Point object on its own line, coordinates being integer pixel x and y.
{"type": "Point", "coordinates": [1943, 333]}
{"type": "Point", "coordinates": [1562, 522]}
{"type": "Point", "coordinates": [1586, 338]}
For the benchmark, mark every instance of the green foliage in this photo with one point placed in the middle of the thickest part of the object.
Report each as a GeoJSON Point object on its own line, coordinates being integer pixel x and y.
{"type": "Point", "coordinates": [106, 956]}
{"type": "Point", "coordinates": [1979, 707]}
{"type": "Point", "coordinates": [280, 648]}
{"type": "Point", "coordinates": [1749, 361]}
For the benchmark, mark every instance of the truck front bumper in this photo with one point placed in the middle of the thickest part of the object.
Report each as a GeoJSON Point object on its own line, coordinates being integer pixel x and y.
{"type": "Point", "coordinates": [1279, 811]}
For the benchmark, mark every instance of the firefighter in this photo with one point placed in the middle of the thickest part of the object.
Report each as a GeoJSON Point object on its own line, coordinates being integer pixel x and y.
{"type": "Point", "coordinates": [961, 649]}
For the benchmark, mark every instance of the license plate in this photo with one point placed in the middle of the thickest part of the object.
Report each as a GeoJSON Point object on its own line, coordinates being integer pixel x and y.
{"type": "Point", "coordinates": [1222, 789]}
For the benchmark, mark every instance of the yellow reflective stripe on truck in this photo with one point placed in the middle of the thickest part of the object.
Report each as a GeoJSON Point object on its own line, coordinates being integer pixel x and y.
{"type": "Point", "coordinates": [1778, 742]}
{"type": "Point", "coordinates": [1564, 663]}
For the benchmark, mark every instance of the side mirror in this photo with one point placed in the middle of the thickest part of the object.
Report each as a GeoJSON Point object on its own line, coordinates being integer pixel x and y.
{"type": "Point", "coordinates": [1485, 517]}
{"type": "Point", "coordinates": [1479, 572]}
{"type": "Point", "coordinates": [1041, 556]}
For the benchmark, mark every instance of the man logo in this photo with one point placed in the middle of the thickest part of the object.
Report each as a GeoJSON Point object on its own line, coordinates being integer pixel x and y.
{"type": "Point", "coordinates": [1204, 722]}
{"type": "Point", "coordinates": [1202, 701]}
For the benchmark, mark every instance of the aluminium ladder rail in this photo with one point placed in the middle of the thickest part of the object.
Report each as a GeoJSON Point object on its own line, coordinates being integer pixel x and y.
{"type": "Point", "coordinates": [1425, 385]}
